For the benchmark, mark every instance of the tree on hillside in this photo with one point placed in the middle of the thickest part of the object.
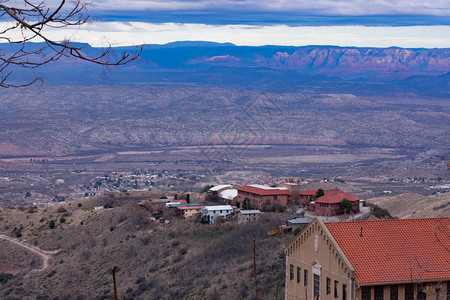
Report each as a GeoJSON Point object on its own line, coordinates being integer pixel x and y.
{"type": "Point", "coordinates": [246, 203]}
{"type": "Point", "coordinates": [346, 205]}
{"type": "Point", "coordinates": [319, 193]}
{"type": "Point", "coordinates": [29, 21]}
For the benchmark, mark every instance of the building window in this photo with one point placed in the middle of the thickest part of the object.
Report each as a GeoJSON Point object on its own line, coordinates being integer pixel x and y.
{"type": "Point", "coordinates": [336, 283]}
{"type": "Point", "coordinates": [409, 292]}
{"type": "Point", "coordinates": [448, 290]}
{"type": "Point", "coordinates": [379, 293]}
{"type": "Point", "coordinates": [298, 274]}
{"type": "Point", "coordinates": [365, 293]}
{"type": "Point", "coordinates": [316, 286]}
{"type": "Point", "coordinates": [344, 292]}
{"type": "Point", "coordinates": [394, 292]}
{"type": "Point", "coordinates": [291, 272]}
{"type": "Point", "coordinates": [421, 295]}
{"type": "Point", "coordinates": [328, 286]}
{"type": "Point", "coordinates": [305, 278]}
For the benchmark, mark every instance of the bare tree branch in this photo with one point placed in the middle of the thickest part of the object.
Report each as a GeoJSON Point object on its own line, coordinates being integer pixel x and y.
{"type": "Point", "coordinates": [30, 23]}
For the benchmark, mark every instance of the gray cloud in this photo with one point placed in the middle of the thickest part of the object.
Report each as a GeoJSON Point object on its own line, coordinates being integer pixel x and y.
{"type": "Point", "coordinates": [319, 7]}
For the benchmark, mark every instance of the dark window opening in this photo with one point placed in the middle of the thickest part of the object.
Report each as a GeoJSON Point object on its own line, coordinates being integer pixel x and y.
{"type": "Point", "coordinates": [421, 295]}
{"type": "Point", "coordinates": [409, 292]}
{"type": "Point", "coordinates": [316, 285]}
{"type": "Point", "coordinates": [305, 278]}
{"type": "Point", "coordinates": [394, 292]}
{"type": "Point", "coordinates": [448, 290]}
{"type": "Point", "coordinates": [366, 293]}
{"type": "Point", "coordinates": [291, 272]}
{"type": "Point", "coordinates": [379, 293]}
{"type": "Point", "coordinates": [336, 295]}
{"type": "Point", "coordinates": [298, 274]}
{"type": "Point", "coordinates": [328, 286]}
{"type": "Point", "coordinates": [344, 292]}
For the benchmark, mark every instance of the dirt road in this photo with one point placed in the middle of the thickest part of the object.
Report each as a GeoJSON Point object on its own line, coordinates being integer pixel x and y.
{"type": "Point", "coordinates": [46, 255]}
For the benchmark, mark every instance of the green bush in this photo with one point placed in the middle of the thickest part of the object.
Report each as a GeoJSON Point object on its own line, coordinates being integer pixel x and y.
{"type": "Point", "coordinates": [381, 213]}
{"type": "Point", "coordinates": [182, 251]}
{"type": "Point", "coordinates": [18, 234]}
{"type": "Point", "coordinates": [52, 224]}
{"type": "Point", "coordinates": [62, 220]}
{"type": "Point", "coordinates": [297, 231]}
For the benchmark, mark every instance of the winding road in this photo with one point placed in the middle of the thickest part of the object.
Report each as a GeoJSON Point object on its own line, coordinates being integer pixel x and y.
{"type": "Point", "coordinates": [45, 254]}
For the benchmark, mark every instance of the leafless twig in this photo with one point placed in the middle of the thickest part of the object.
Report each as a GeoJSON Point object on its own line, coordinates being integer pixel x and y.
{"type": "Point", "coordinates": [30, 23]}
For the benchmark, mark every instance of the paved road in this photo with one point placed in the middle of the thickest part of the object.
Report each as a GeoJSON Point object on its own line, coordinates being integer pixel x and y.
{"type": "Point", "coordinates": [46, 255]}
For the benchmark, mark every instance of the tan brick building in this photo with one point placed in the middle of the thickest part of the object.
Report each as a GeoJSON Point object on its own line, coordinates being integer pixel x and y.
{"type": "Point", "coordinates": [370, 260]}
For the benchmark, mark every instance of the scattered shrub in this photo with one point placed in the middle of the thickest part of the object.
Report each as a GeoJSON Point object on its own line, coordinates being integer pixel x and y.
{"type": "Point", "coordinates": [61, 210]}
{"type": "Point", "coordinates": [52, 224]}
{"type": "Point", "coordinates": [381, 213]}
{"type": "Point", "coordinates": [297, 230]}
{"type": "Point", "coordinates": [80, 204]}
{"type": "Point", "coordinates": [62, 220]}
{"type": "Point", "coordinates": [182, 251]}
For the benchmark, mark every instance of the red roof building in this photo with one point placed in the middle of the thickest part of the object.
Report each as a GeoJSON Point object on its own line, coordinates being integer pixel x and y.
{"type": "Point", "coordinates": [328, 204]}
{"type": "Point", "coordinates": [406, 259]}
{"type": "Point", "coordinates": [261, 197]}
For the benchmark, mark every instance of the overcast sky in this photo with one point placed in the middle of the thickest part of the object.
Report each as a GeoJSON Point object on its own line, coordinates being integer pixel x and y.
{"type": "Point", "coordinates": [372, 23]}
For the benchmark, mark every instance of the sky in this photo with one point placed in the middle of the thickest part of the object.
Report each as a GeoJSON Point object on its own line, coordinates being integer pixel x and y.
{"type": "Point", "coordinates": [362, 23]}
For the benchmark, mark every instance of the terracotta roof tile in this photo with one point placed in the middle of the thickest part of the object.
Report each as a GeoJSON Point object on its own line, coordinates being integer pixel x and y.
{"type": "Point", "coordinates": [262, 192]}
{"type": "Point", "coordinates": [308, 193]}
{"type": "Point", "coordinates": [335, 196]}
{"type": "Point", "coordinates": [396, 250]}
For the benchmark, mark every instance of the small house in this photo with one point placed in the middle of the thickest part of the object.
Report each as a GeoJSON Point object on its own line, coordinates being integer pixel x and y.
{"type": "Point", "coordinates": [245, 216]}
{"type": "Point", "coordinates": [211, 213]}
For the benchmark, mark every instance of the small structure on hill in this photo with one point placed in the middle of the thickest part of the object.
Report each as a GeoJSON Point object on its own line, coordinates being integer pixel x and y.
{"type": "Point", "coordinates": [227, 196]}
{"type": "Point", "coordinates": [213, 193]}
{"type": "Point", "coordinates": [261, 197]}
{"type": "Point", "coordinates": [329, 204]}
{"type": "Point", "coordinates": [175, 203]}
{"type": "Point", "coordinates": [189, 211]}
{"type": "Point", "coordinates": [213, 213]}
{"type": "Point", "coordinates": [245, 216]}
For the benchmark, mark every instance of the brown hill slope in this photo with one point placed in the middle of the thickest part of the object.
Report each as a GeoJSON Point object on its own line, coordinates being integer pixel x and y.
{"type": "Point", "coordinates": [180, 260]}
{"type": "Point", "coordinates": [415, 205]}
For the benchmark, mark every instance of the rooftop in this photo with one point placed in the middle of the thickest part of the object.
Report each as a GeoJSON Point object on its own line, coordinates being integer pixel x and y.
{"type": "Point", "coordinates": [218, 207]}
{"type": "Point", "coordinates": [219, 187]}
{"type": "Point", "coordinates": [250, 212]}
{"type": "Point", "coordinates": [331, 196]}
{"type": "Point", "coordinates": [335, 196]}
{"type": "Point", "coordinates": [405, 250]}
{"type": "Point", "coordinates": [264, 190]}
{"type": "Point", "coordinates": [228, 194]}
{"type": "Point", "coordinates": [308, 193]}
{"type": "Point", "coordinates": [191, 207]}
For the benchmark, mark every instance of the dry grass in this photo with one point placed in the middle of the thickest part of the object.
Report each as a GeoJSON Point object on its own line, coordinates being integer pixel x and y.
{"type": "Point", "coordinates": [181, 260]}
{"type": "Point", "coordinates": [415, 205]}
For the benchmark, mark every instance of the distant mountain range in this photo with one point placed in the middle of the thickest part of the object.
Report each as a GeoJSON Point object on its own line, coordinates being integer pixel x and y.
{"type": "Point", "coordinates": [270, 67]}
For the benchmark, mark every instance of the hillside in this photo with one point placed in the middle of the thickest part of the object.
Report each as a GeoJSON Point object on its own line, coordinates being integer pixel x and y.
{"type": "Point", "coordinates": [180, 260]}
{"type": "Point", "coordinates": [363, 71]}
{"type": "Point", "coordinates": [415, 205]}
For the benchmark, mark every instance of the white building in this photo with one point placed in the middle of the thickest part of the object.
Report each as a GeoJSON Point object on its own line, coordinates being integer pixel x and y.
{"type": "Point", "coordinates": [211, 213]}
{"type": "Point", "coordinates": [227, 196]}
{"type": "Point", "coordinates": [245, 216]}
